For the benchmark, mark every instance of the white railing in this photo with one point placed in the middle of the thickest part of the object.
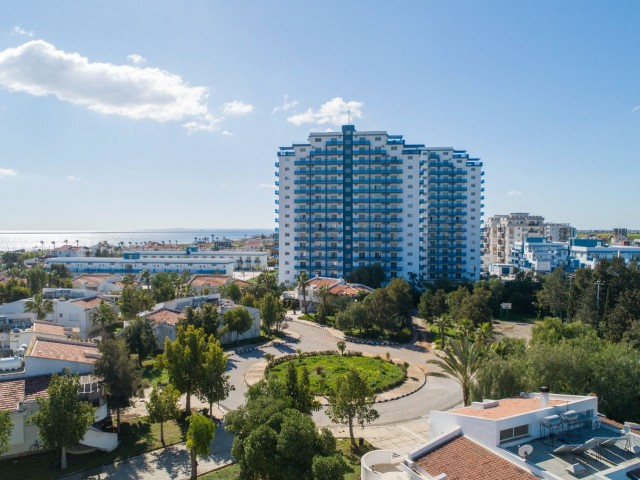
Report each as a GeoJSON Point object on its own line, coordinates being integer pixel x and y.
{"type": "Point", "coordinates": [370, 460]}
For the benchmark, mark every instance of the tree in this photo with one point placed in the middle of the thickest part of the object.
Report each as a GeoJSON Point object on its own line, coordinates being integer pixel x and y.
{"type": "Point", "coordinates": [62, 419]}
{"type": "Point", "coordinates": [371, 276]}
{"type": "Point", "coordinates": [6, 425]}
{"type": "Point", "coordinates": [303, 278]}
{"type": "Point", "coordinates": [341, 347]}
{"type": "Point", "coordinates": [462, 361]}
{"type": "Point", "coordinates": [299, 390]}
{"type": "Point", "coordinates": [213, 385]}
{"type": "Point", "coordinates": [400, 292]}
{"type": "Point", "coordinates": [237, 320]}
{"type": "Point", "coordinates": [350, 400]}
{"type": "Point", "coordinates": [271, 311]}
{"type": "Point", "coordinates": [442, 323]}
{"type": "Point", "coordinates": [622, 316]}
{"type": "Point", "coordinates": [554, 296]}
{"type": "Point", "coordinates": [329, 468]}
{"type": "Point", "coordinates": [476, 307]}
{"type": "Point", "coordinates": [145, 276]}
{"type": "Point", "coordinates": [233, 292]}
{"type": "Point", "coordinates": [355, 316]}
{"type": "Point", "coordinates": [39, 306]}
{"type": "Point", "coordinates": [119, 376]}
{"type": "Point", "coordinates": [199, 437]}
{"type": "Point", "coordinates": [163, 406]}
{"type": "Point", "coordinates": [140, 338]}
{"type": "Point", "coordinates": [104, 316]}
{"type": "Point", "coordinates": [183, 360]}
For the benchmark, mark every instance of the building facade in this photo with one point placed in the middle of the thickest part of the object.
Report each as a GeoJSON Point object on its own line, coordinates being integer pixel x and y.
{"type": "Point", "coordinates": [353, 199]}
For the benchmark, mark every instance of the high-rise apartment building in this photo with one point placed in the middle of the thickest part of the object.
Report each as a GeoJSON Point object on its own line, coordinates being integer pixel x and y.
{"type": "Point", "coordinates": [502, 232]}
{"type": "Point", "coordinates": [352, 199]}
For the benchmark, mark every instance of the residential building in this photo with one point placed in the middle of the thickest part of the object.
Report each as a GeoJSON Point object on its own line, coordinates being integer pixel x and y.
{"type": "Point", "coordinates": [13, 339]}
{"type": "Point", "coordinates": [154, 261]}
{"type": "Point", "coordinates": [540, 255]}
{"type": "Point", "coordinates": [165, 317]}
{"type": "Point", "coordinates": [588, 252]}
{"type": "Point", "coordinates": [352, 199]}
{"type": "Point", "coordinates": [334, 286]}
{"type": "Point", "coordinates": [502, 232]}
{"type": "Point", "coordinates": [211, 283]}
{"type": "Point", "coordinates": [554, 437]}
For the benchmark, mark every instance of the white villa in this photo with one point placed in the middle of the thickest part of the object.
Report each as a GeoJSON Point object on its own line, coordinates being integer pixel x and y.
{"type": "Point", "coordinates": [548, 436]}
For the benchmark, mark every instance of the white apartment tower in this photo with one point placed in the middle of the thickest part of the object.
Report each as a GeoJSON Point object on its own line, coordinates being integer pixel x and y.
{"type": "Point", "coordinates": [351, 199]}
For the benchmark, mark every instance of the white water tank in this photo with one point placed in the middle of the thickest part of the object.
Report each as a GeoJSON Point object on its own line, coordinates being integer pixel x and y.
{"type": "Point", "coordinates": [11, 363]}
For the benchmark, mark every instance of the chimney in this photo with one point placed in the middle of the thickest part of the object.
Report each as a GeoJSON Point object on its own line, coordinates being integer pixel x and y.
{"type": "Point", "coordinates": [544, 397]}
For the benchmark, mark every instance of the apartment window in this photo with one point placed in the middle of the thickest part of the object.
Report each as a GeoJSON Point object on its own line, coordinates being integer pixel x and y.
{"type": "Point", "coordinates": [378, 139]}
{"type": "Point", "coordinates": [514, 433]}
{"type": "Point", "coordinates": [318, 139]}
{"type": "Point", "coordinates": [394, 148]}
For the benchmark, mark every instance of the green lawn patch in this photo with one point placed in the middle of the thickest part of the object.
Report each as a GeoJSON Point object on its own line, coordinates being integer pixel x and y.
{"type": "Point", "coordinates": [351, 457]}
{"type": "Point", "coordinates": [152, 374]}
{"type": "Point", "coordinates": [324, 370]}
{"type": "Point", "coordinates": [137, 436]}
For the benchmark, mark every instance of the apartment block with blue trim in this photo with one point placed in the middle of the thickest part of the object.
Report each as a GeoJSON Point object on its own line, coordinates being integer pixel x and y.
{"type": "Point", "coordinates": [351, 199]}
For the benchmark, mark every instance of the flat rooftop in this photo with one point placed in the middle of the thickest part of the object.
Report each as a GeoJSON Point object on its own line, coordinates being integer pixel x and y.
{"type": "Point", "coordinates": [508, 407]}
{"type": "Point", "coordinates": [598, 463]}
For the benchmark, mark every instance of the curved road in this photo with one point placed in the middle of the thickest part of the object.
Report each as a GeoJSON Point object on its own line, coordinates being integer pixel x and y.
{"type": "Point", "coordinates": [437, 394]}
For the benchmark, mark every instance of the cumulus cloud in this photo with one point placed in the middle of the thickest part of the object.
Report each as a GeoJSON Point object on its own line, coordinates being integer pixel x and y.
{"type": "Point", "coordinates": [72, 178]}
{"type": "Point", "coordinates": [267, 185]}
{"type": "Point", "coordinates": [237, 108]}
{"type": "Point", "coordinates": [7, 172]}
{"type": "Point", "coordinates": [334, 112]}
{"type": "Point", "coordinates": [136, 59]}
{"type": "Point", "coordinates": [286, 105]}
{"type": "Point", "coordinates": [227, 133]}
{"type": "Point", "coordinates": [21, 32]}
{"type": "Point", "coordinates": [515, 193]}
{"type": "Point", "coordinates": [39, 68]}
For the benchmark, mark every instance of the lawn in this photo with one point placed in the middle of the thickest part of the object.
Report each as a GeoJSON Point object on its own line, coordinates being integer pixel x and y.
{"type": "Point", "coordinates": [152, 374]}
{"type": "Point", "coordinates": [324, 371]}
{"type": "Point", "coordinates": [137, 437]}
{"type": "Point", "coordinates": [352, 458]}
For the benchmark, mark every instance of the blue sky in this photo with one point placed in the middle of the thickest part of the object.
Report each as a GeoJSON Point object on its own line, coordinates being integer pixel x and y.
{"type": "Point", "coordinates": [152, 114]}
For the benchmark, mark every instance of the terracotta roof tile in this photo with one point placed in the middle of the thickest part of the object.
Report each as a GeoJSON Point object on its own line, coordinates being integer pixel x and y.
{"type": "Point", "coordinates": [12, 392]}
{"type": "Point", "coordinates": [165, 315]}
{"type": "Point", "coordinates": [507, 408]}
{"type": "Point", "coordinates": [91, 280]}
{"type": "Point", "coordinates": [89, 303]}
{"type": "Point", "coordinates": [321, 282]}
{"type": "Point", "coordinates": [463, 459]}
{"type": "Point", "coordinates": [350, 290]}
{"type": "Point", "coordinates": [209, 280]}
{"type": "Point", "coordinates": [49, 328]}
{"type": "Point", "coordinates": [55, 349]}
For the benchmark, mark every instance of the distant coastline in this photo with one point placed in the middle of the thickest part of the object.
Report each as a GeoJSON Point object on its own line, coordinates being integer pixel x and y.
{"type": "Point", "coordinates": [34, 240]}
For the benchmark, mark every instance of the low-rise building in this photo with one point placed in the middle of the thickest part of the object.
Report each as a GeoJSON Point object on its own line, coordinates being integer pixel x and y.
{"type": "Point", "coordinates": [540, 255]}
{"type": "Point", "coordinates": [554, 437]}
{"type": "Point", "coordinates": [334, 286]}
{"type": "Point", "coordinates": [209, 283]}
{"type": "Point", "coordinates": [13, 339]}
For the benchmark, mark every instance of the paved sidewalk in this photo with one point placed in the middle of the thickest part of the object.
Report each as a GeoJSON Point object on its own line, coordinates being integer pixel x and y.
{"type": "Point", "coordinates": [163, 464]}
{"type": "Point", "coordinates": [400, 438]}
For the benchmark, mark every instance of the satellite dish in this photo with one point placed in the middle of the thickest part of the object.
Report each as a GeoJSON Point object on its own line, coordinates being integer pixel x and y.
{"type": "Point", "coordinates": [525, 450]}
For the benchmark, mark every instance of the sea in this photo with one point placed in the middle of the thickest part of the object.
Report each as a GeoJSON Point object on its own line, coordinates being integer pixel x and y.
{"type": "Point", "coordinates": [22, 240]}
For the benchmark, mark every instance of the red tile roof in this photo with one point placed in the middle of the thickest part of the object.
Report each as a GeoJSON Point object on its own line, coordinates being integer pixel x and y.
{"type": "Point", "coordinates": [93, 280]}
{"type": "Point", "coordinates": [165, 315]}
{"type": "Point", "coordinates": [349, 290]}
{"type": "Point", "coordinates": [12, 392]}
{"type": "Point", "coordinates": [320, 282]}
{"type": "Point", "coordinates": [507, 408]}
{"type": "Point", "coordinates": [50, 329]}
{"type": "Point", "coordinates": [89, 303]}
{"type": "Point", "coordinates": [67, 350]}
{"type": "Point", "coordinates": [209, 280]}
{"type": "Point", "coordinates": [463, 459]}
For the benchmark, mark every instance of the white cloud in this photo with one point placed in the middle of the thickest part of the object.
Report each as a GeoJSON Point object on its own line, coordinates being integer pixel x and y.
{"type": "Point", "coordinates": [136, 59]}
{"type": "Point", "coordinates": [38, 68]}
{"type": "Point", "coordinates": [267, 185]}
{"type": "Point", "coordinates": [72, 178]}
{"type": "Point", "coordinates": [227, 133]}
{"type": "Point", "coordinates": [515, 193]}
{"type": "Point", "coordinates": [237, 108]}
{"type": "Point", "coordinates": [334, 112]}
{"type": "Point", "coordinates": [222, 185]}
{"type": "Point", "coordinates": [21, 32]}
{"type": "Point", "coordinates": [286, 105]}
{"type": "Point", "coordinates": [636, 109]}
{"type": "Point", "coordinates": [7, 172]}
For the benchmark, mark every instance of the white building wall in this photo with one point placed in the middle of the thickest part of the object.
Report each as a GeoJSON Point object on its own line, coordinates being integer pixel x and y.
{"type": "Point", "coordinates": [35, 366]}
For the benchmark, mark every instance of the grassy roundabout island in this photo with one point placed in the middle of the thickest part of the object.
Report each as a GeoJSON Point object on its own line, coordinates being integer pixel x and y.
{"type": "Point", "coordinates": [325, 369]}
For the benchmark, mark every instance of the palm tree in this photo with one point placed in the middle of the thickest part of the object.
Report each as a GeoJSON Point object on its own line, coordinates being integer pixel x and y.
{"type": "Point", "coordinates": [42, 243]}
{"type": "Point", "coordinates": [39, 306]}
{"type": "Point", "coordinates": [465, 327]}
{"type": "Point", "coordinates": [77, 243]}
{"type": "Point", "coordinates": [66, 242]}
{"type": "Point", "coordinates": [303, 278]}
{"type": "Point", "coordinates": [53, 242]}
{"type": "Point", "coordinates": [145, 276]}
{"type": "Point", "coordinates": [104, 316]}
{"type": "Point", "coordinates": [484, 332]}
{"type": "Point", "coordinates": [462, 361]}
{"type": "Point", "coordinates": [442, 323]}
